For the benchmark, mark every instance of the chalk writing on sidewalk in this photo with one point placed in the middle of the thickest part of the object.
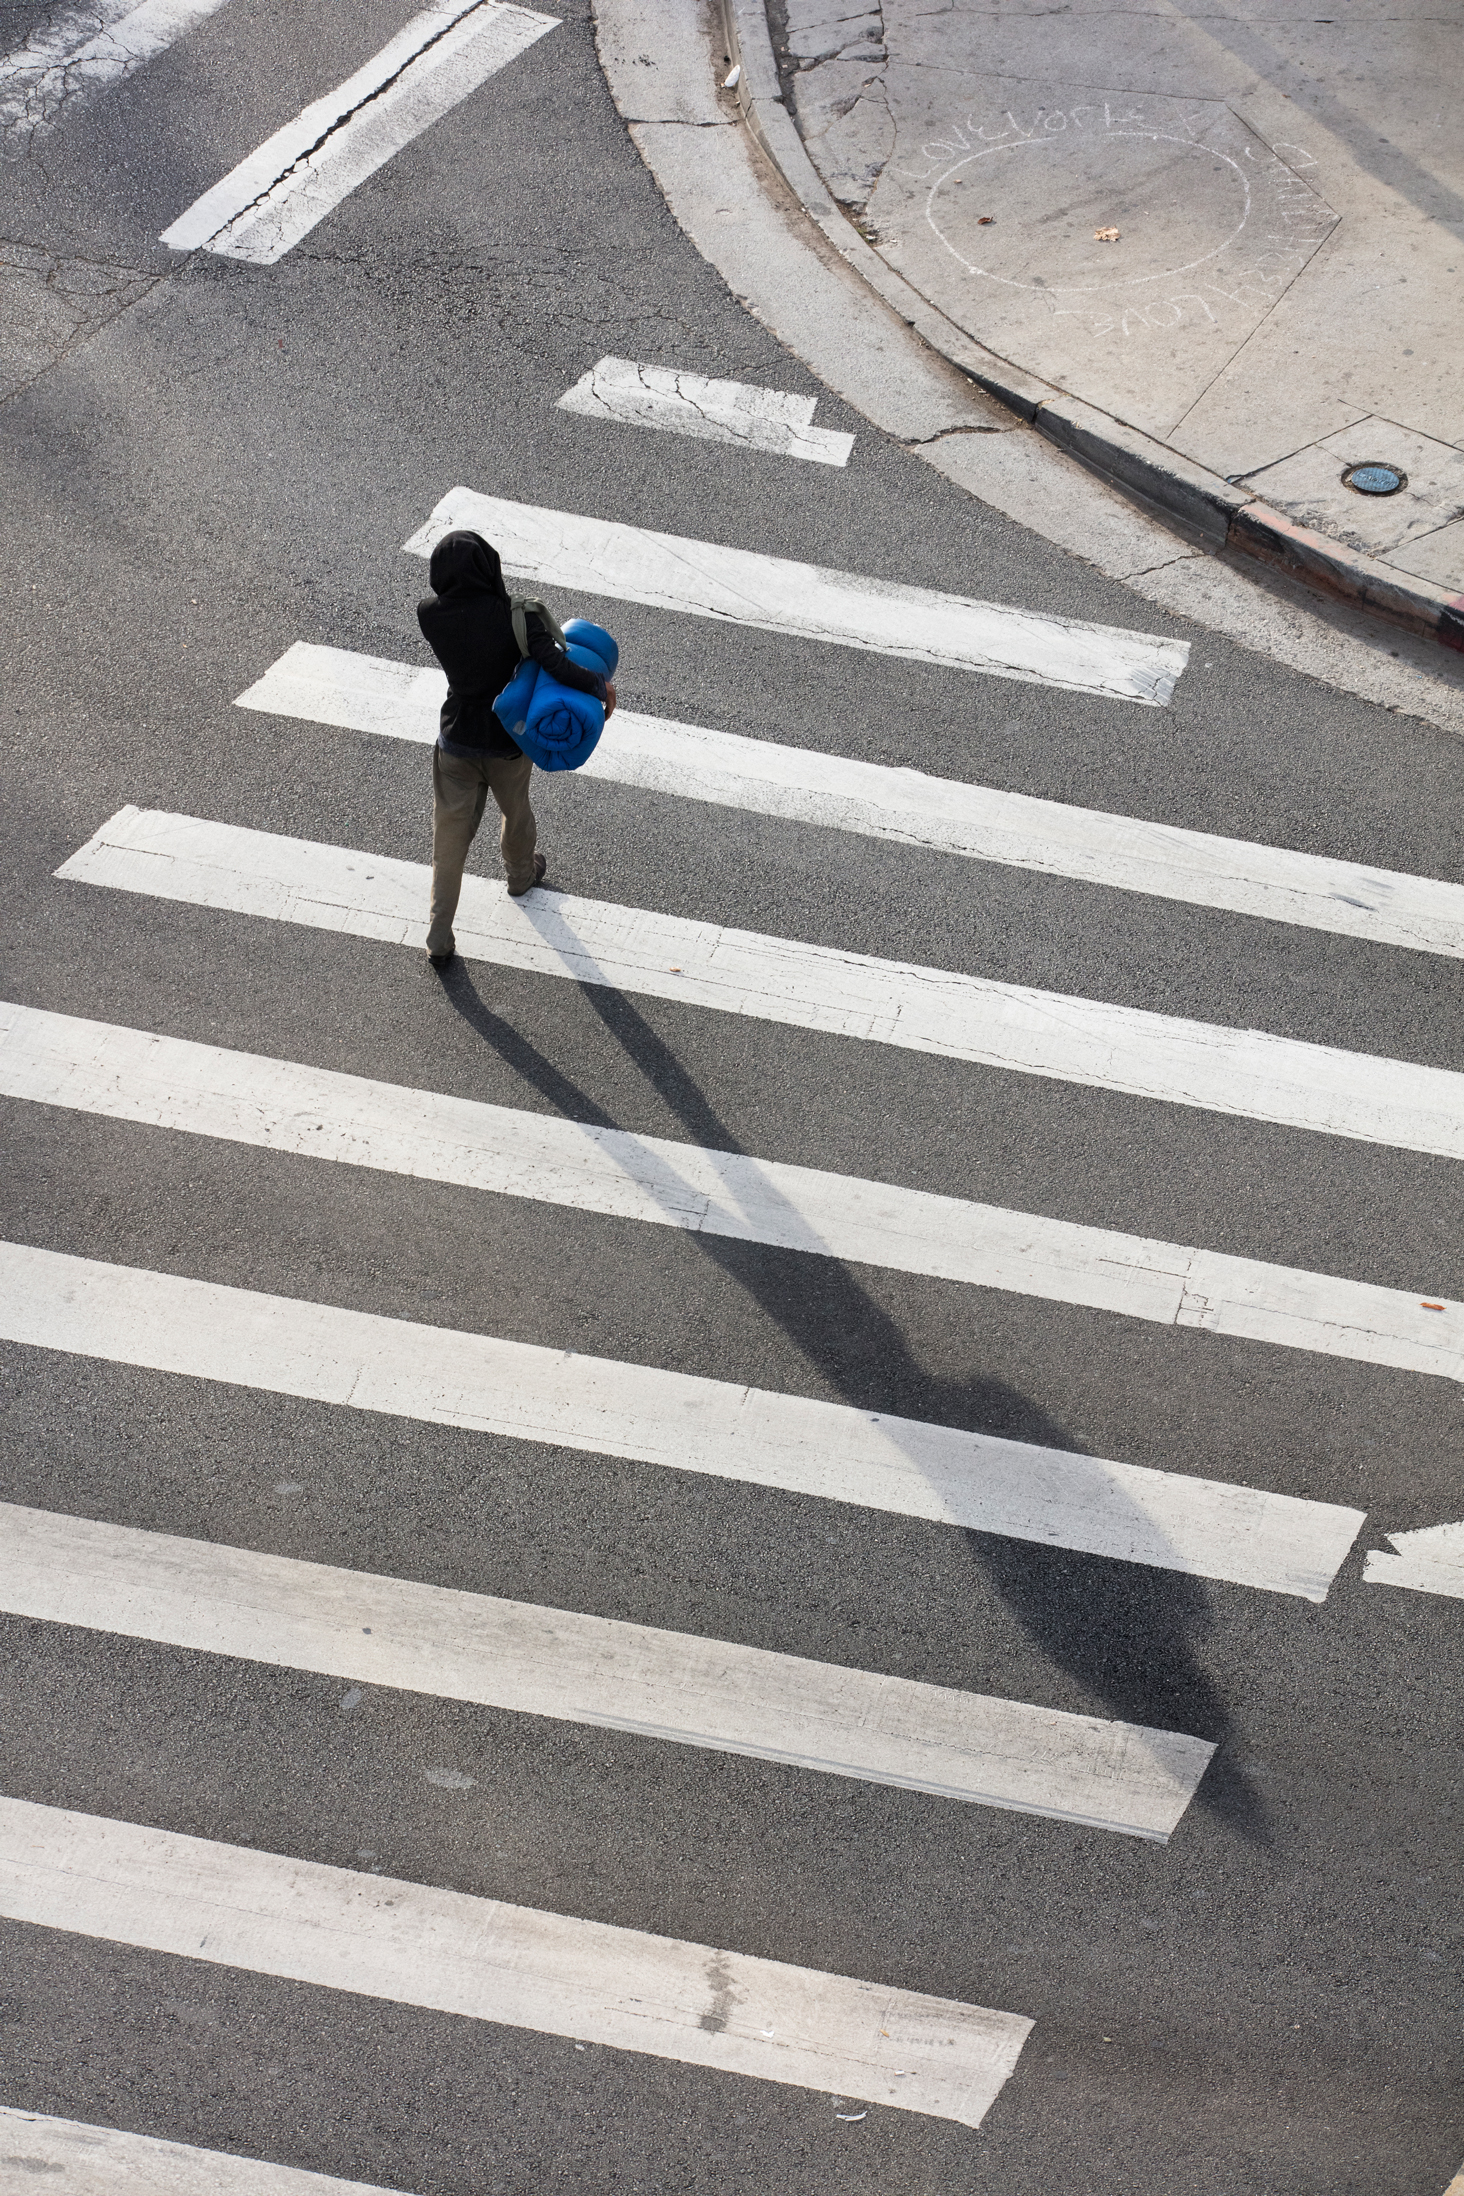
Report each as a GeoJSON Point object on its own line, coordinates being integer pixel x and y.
{"type": "Point", "coordinates": [1214, 223]}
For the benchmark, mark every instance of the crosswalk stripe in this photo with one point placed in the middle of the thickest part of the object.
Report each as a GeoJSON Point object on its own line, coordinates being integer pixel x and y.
{"type": "Point", "coordinates": [81, 2159]}
{"type": "Point", "coordinates": [603, 1407]}
{"type": "Point", "coordinates": [1244, 1072]}
{"type": "Point", "coordinates": [261, 209]}
{"type": "Point", "coordinates": [319, 1113]}
{"type": "Point", "coordinates": [683, 403]}
{"type": "Point", "coordinates": [518, 1966]}
{"type": "Point", "coordinates": [601, 557]}
{"type": "Point", "coordinates": [88, 49]}
{"type": "Point", "coordinates": [1388, 907]}
{"type": "Point", "coordinates": [1429, 1560]}
{"type": "Point", "coordinates": [557, 1663]}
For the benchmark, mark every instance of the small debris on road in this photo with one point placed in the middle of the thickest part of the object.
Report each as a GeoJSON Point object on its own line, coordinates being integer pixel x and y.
{"type": "Point", "coordinates": [730, 83]}
{"type": "Point", "coordinates": [1105, 236]}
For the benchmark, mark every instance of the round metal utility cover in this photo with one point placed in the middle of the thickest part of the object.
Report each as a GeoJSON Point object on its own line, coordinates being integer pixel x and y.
{"type": "Point", "coordinates": [1375, 480]}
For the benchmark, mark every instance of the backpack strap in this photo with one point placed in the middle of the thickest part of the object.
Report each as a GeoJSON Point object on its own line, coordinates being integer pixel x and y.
{"type": "Point", "coordinates": [520, 606]}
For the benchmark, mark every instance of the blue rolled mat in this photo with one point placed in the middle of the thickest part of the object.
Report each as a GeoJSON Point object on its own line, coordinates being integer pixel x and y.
{"type": "Point", "coordinates": [581, 634]}
{"type": "Point", "coordinates": [512, 706]}
{"type": "Point", "coordinates": [562, 727]}
{"type": "Point", "coordinates": [556, 726]}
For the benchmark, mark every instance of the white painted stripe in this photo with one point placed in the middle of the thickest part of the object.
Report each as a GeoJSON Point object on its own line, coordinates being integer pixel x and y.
{"type": "Point", "coordinates": [205, 1090]}
{"type": "Point", "coordinates": [1244, 1072]}
{"type": "Point", "coordinates": [262, 208]}
{"type": "Point", "coordinates": [287, 1346]}
{"type": "Point", "coordinates": [1430, 1561]}
{"type": "Point", "coordinates": [1385, 906]}
{"type": "Point", "coordinates": [601, 557]}
{"type": "Point", "coordinates": [684, 403]}
{"type": "Point", "coordinates": [515, 1965]}
{"type": "Point", "coordinates": [585, 1669]}
{"type": "Point", "coordinates": [359, 693]}
{"type": "Point", "coordinates": [87, 49]}
{"type": "Point", "coordinates": [79, 2159]}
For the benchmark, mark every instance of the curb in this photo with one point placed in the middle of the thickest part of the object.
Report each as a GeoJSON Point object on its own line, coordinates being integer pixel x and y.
{"type": "Point", "coordinates": [1225, 517]}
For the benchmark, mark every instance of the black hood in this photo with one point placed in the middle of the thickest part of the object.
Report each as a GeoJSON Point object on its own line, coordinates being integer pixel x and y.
{"type": "Point", "coordinates": [468, 623]}
{"type": "Point", "coordinates": [465, 564]}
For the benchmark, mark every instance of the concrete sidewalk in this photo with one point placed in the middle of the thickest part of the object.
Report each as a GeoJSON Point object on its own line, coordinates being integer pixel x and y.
{"type": "Point", "coordinates": [1282, 301]}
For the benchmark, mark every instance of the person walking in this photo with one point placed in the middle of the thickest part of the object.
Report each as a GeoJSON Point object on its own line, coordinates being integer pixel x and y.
{"type": "Point", "coordinates": [467, 622]}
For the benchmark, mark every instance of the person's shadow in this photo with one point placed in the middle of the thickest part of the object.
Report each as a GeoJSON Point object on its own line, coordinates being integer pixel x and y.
{"type": "Point", "coordinates": [1127, 1632]}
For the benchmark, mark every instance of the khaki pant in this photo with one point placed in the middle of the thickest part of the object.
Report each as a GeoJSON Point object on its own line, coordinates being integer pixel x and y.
{"type": "Point", "coordinates": [461, 785]}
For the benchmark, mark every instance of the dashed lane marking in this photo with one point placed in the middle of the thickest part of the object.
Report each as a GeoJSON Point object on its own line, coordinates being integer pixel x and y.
{"type": "Point", "coordinates": [284, 1345]}
{"type": "Point", "coordinates": [262, 208]}
{"type": "Point", "coordinates": [414, 1944]}
{"type": "Point", "coordinates": [656, 1684]}
{"type": "Point", "coordinates": [775, 595]}
{"type": "Point", "coordinates": [683, 403]}
{"type": "Point", "coordinates": [1387, 907]}
{"type": "Point", "coordinates": [1014, 1027]}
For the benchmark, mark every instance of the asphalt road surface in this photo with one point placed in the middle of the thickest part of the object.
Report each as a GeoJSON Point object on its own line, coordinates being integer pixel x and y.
{"type": "Point", "coordinates": [211, 459]}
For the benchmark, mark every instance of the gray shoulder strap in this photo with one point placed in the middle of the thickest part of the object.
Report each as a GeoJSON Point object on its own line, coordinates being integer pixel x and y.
{"type": "Point", "coordinates": [521, 605]}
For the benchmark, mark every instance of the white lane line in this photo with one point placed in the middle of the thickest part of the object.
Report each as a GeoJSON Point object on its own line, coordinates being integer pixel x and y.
{"type": "Point", "coordinates": [262, 208]}
{"type": "Point", "coordinates": [683, 403]}
{"type": "Point", "coordinates": [318, 1113]}
{"type": "Point", "coordinates": [1387, 907]}
{"type": "Point", "coordinates": [1430, 1561]}
{"type": "Point", "coordinates": [585, 1669]}
{"type": "Point", "coordinates": [1244, 1072]}
{"type": "Point", "coordinates": [602, 1407]}
{"type": "Point", "coordinates": [515, 1965]}
{"type": "Point", "coordinates": [80, 2159]}
{"type": "Point", "coordinates": [87, 49]}
{"type": "Point", "coordinates": [601, 557]}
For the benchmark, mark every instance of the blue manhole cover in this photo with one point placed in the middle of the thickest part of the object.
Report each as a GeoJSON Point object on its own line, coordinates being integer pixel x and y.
{"type": "Point", "coordinates": [1375, 480]}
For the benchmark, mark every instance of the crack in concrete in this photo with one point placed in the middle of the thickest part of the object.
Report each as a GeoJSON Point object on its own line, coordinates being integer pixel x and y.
{"type": "Point", "coordinates": [835, 118]}
{"type": "Point", "coordinates": [1165, 564]}
{"type": "Point", "coordinates": [944, 434]}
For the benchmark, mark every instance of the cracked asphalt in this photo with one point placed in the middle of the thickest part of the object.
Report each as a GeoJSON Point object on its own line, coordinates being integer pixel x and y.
{"type": "Point", "coordinates": [208, 461]}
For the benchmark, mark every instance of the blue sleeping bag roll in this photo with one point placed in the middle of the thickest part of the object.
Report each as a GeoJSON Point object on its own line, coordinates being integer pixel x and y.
{"type": "Point", "coordinates": [579, 633]}
{"type": "Point", "coordinates": [556, 726]}
{"type": "Point", "coordinates": [512, 706]}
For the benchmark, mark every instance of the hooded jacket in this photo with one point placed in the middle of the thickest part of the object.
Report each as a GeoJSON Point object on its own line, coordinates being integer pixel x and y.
{"type": "Point", "coordinates": [467, 622]}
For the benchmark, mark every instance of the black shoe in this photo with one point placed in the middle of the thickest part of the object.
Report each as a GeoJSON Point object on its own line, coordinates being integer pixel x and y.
{"type": "Point", "coordinates": [541, 871]}
{"type": "Point", "coordinates": [439, 961]}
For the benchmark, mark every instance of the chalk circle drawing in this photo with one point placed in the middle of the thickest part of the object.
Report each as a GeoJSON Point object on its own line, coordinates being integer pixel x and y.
{"type": "Point", "coordinates": [999, 212]}
{"type": "Point", "coordinates": [1177, 202]}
